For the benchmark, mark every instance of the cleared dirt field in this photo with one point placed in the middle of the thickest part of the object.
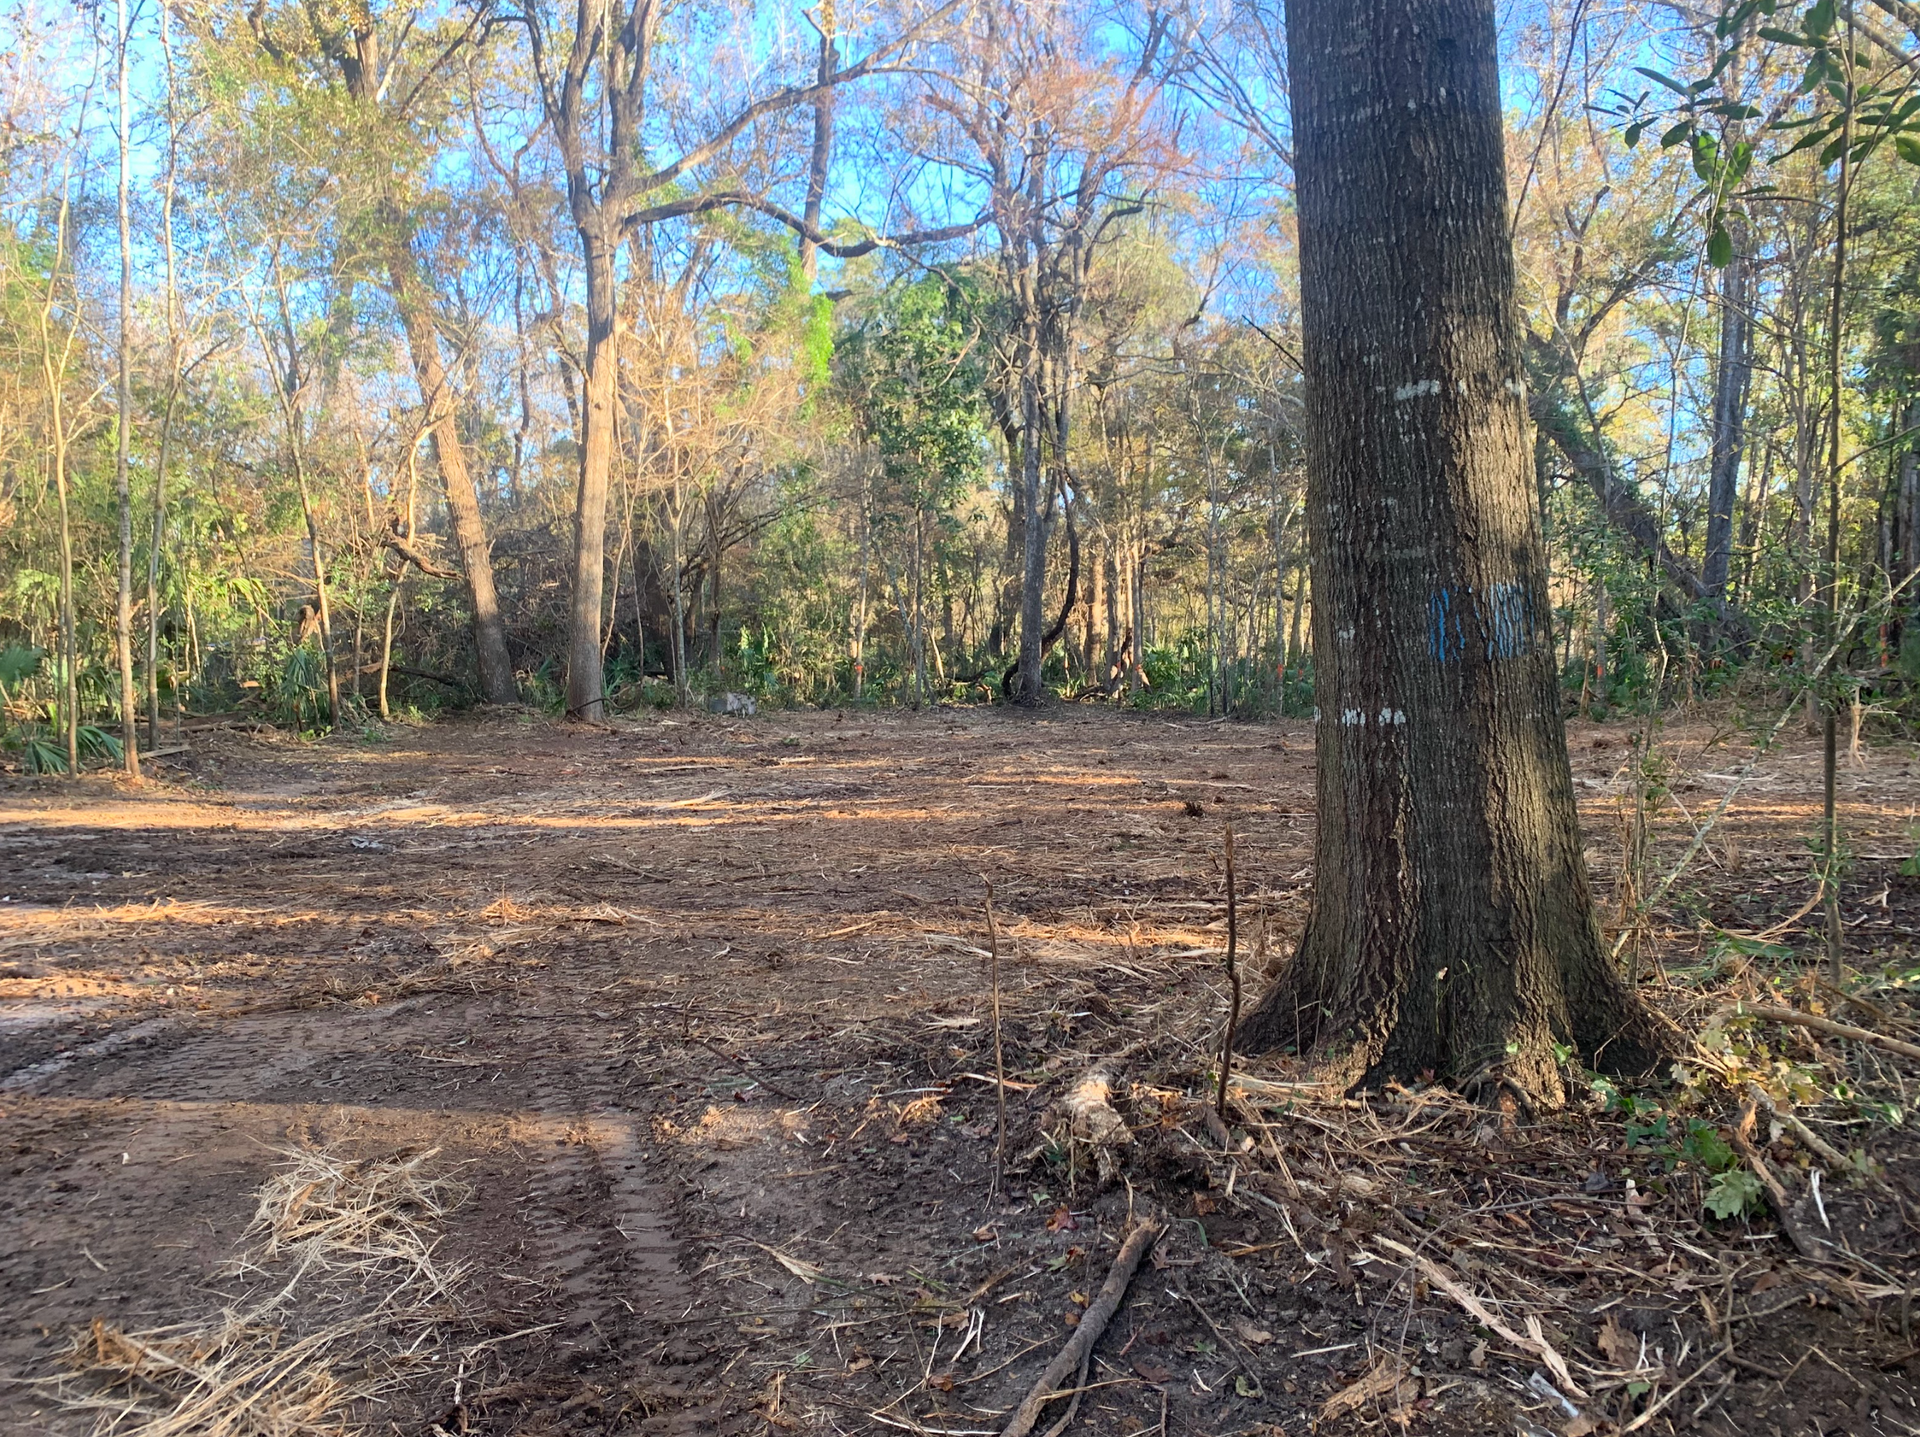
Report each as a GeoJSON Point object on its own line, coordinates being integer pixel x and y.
{"type": "Point", "coordinates": [696, 1016]}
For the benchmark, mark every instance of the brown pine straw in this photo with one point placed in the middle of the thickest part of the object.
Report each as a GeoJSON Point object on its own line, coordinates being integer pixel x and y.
{"type": "Point", "coordinates": [330, 1234]}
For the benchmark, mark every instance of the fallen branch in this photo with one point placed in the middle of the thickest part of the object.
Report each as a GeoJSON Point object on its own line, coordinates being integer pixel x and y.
{"type": "Point", "coordinates": [410, 555]}
{"type": "Point", "coordinates": [999, 1058]}
{"type": "Point", "coordinates": [1873, 1010]}
{"type": "Point", "coordinates": [1536, 1342]}
{"type": "Point", "coordinates": [1806, 1245]}
{"type": "Point", "coordinates": [1654, 1411]}
{"type": "Point", "coordinates": [1079, 1347]}
{"type": "Point", "coordinates": [1233, 978]}
{"type": "Point", "coordinates": [1807, 1136]}
{"type": "Point", "coordinates": [1830, 1027]}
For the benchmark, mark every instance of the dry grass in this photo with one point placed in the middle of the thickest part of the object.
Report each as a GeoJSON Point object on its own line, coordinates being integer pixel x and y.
{"type": "Point", "coordinates": [345, 1295]}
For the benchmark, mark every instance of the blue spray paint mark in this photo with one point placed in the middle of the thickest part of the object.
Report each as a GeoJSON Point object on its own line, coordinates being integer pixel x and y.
{"type": "Point", "coordinates": [1505, 619]}
{"type": "Point", "coordinates": [1509, 621]}
{"type": "Point", "coordinates": [1444, 639]}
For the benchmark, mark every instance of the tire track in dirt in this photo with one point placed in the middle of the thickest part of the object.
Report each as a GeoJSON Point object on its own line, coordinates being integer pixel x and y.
{"type": "Point", "coordinates": [589, 1223]}
{"type": "Point", "coordinates": [600, 1235]}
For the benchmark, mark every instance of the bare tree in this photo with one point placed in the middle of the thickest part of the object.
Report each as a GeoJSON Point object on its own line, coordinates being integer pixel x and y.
{"type": "Point", "coordinates": [1061, 131]}
{"type": "Point", "coordinates": [594, 89]}
{"type": "Point", "coordinates": [383, 90]}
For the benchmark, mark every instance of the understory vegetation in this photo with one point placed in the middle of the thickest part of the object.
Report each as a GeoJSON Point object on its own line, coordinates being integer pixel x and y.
{"type": "Point", "coordinates": [841, 333]}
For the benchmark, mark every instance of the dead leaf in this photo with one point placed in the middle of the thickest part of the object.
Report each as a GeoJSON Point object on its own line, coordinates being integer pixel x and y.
{"type": "Point", "coordinates": [1248, 1333]}
{"type": "Point", "coordinates": [1062, 1221]}
{"type": "Point", "coordinates": [1477, 1356]}
{"type": "Point", "coordinates": [920, 1110]}
{"type": "Point", "coordinates": [1204, 1206]}
{"type": "Point", "coordinates": [1618, 1343]}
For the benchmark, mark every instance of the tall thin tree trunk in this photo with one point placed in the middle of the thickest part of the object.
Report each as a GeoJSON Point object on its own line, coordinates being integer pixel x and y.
{"type": "Point", "coordinates": [919, 608]}
{"type": "Point", "coordinates": [682, 688]}
{"type": "Point", "coordinates": [1033, 565]}
{"type": "Point", "coordinates": [1110, 679]}
{"type": "Point", "coordinates": [1451, 930]}
{"type": "Point", "coordinates": [122, 484]}
{"type": "Point", "coordinates": [822, 156]}
{"type": "Point", "coordinates": [156, 545]}
{"type": "Point", "coordinates": [1732, 375]}
{"type": "Point", "coordinates": [1296, 654]}
{"type": "Point", "coordinates": [858, 638]}
{"type": "Point", "coordinates": [586, 683]}
{"type": "Point", "coordinates": [1137, 600]}
{"type": "Point", "coordinates": [1836, 352]}
{"type": "Point", "coordinates": [54, 371]}
{"type": "Point", "coordinates": [1907, 527]}
{"type": "Point", "coordinates": [69, 645]}
{"type": "Point", "coordinates": [456, 478]}
{"type": "Point", "coordinates": [287, 389]}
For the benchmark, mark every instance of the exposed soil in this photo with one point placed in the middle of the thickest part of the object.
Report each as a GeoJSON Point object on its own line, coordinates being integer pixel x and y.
{"type": "Point", "coordinates": [699, 1011]}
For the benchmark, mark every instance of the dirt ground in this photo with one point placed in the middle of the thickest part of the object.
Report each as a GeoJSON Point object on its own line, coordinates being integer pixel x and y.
{"type": "Point", "coordinates": [698, 1010]}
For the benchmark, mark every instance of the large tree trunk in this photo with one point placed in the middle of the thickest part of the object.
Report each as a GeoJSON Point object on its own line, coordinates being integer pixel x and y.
{"type": "Point", "coordinates": [1452, 930]}
{"type": "Point", "coordinates": [463, 500]}
{"type": "Point", "coordinates": [1730, 381]}
{"type": "Point", "coordinates": [585, 682]}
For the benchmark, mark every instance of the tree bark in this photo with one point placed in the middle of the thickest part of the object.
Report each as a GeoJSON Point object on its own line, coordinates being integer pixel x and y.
{"type": "Point", "coordinates": [1732, 374]}
{"type": "Point", "coordinates": [821, 157]}
{"type": "Point", "coordinates": [1033, 558]}
{"type": "Point", "coordinates": [463, 500]}
{"type": "Point", "coordinates": [1452, 930]}
{"type": "Point", "coordinates": [586, 697]}
{"type": "Point", "coordinates": [123, 494]}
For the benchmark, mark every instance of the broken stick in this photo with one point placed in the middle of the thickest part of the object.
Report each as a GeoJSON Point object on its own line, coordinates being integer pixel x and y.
{"type": "Point", "coordinates": [1079, 1347]}
{"type": "Point", "coordinates": [1233, 977]}
{"type": "Point", "coordinates": [1828, 1026]}
{"type": "Point", "coordinates": [999, 1059]}
{"type": "Point", "coordinates": [1804, 1242]}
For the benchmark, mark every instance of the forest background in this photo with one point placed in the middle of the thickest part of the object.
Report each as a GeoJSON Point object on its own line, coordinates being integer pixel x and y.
{"type": "Point", "coordinates": [364, 359]}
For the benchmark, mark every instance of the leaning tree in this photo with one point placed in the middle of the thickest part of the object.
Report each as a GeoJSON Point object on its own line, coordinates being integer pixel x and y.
{"type": "Point", "coordinates": [1452, 931]}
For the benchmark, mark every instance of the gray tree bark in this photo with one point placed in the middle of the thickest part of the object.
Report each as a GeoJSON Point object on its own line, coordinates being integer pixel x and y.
{"type": "Point", "coordinates": [123, 497]}
{"type": "Point", "coordinates": [1732, 375]}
